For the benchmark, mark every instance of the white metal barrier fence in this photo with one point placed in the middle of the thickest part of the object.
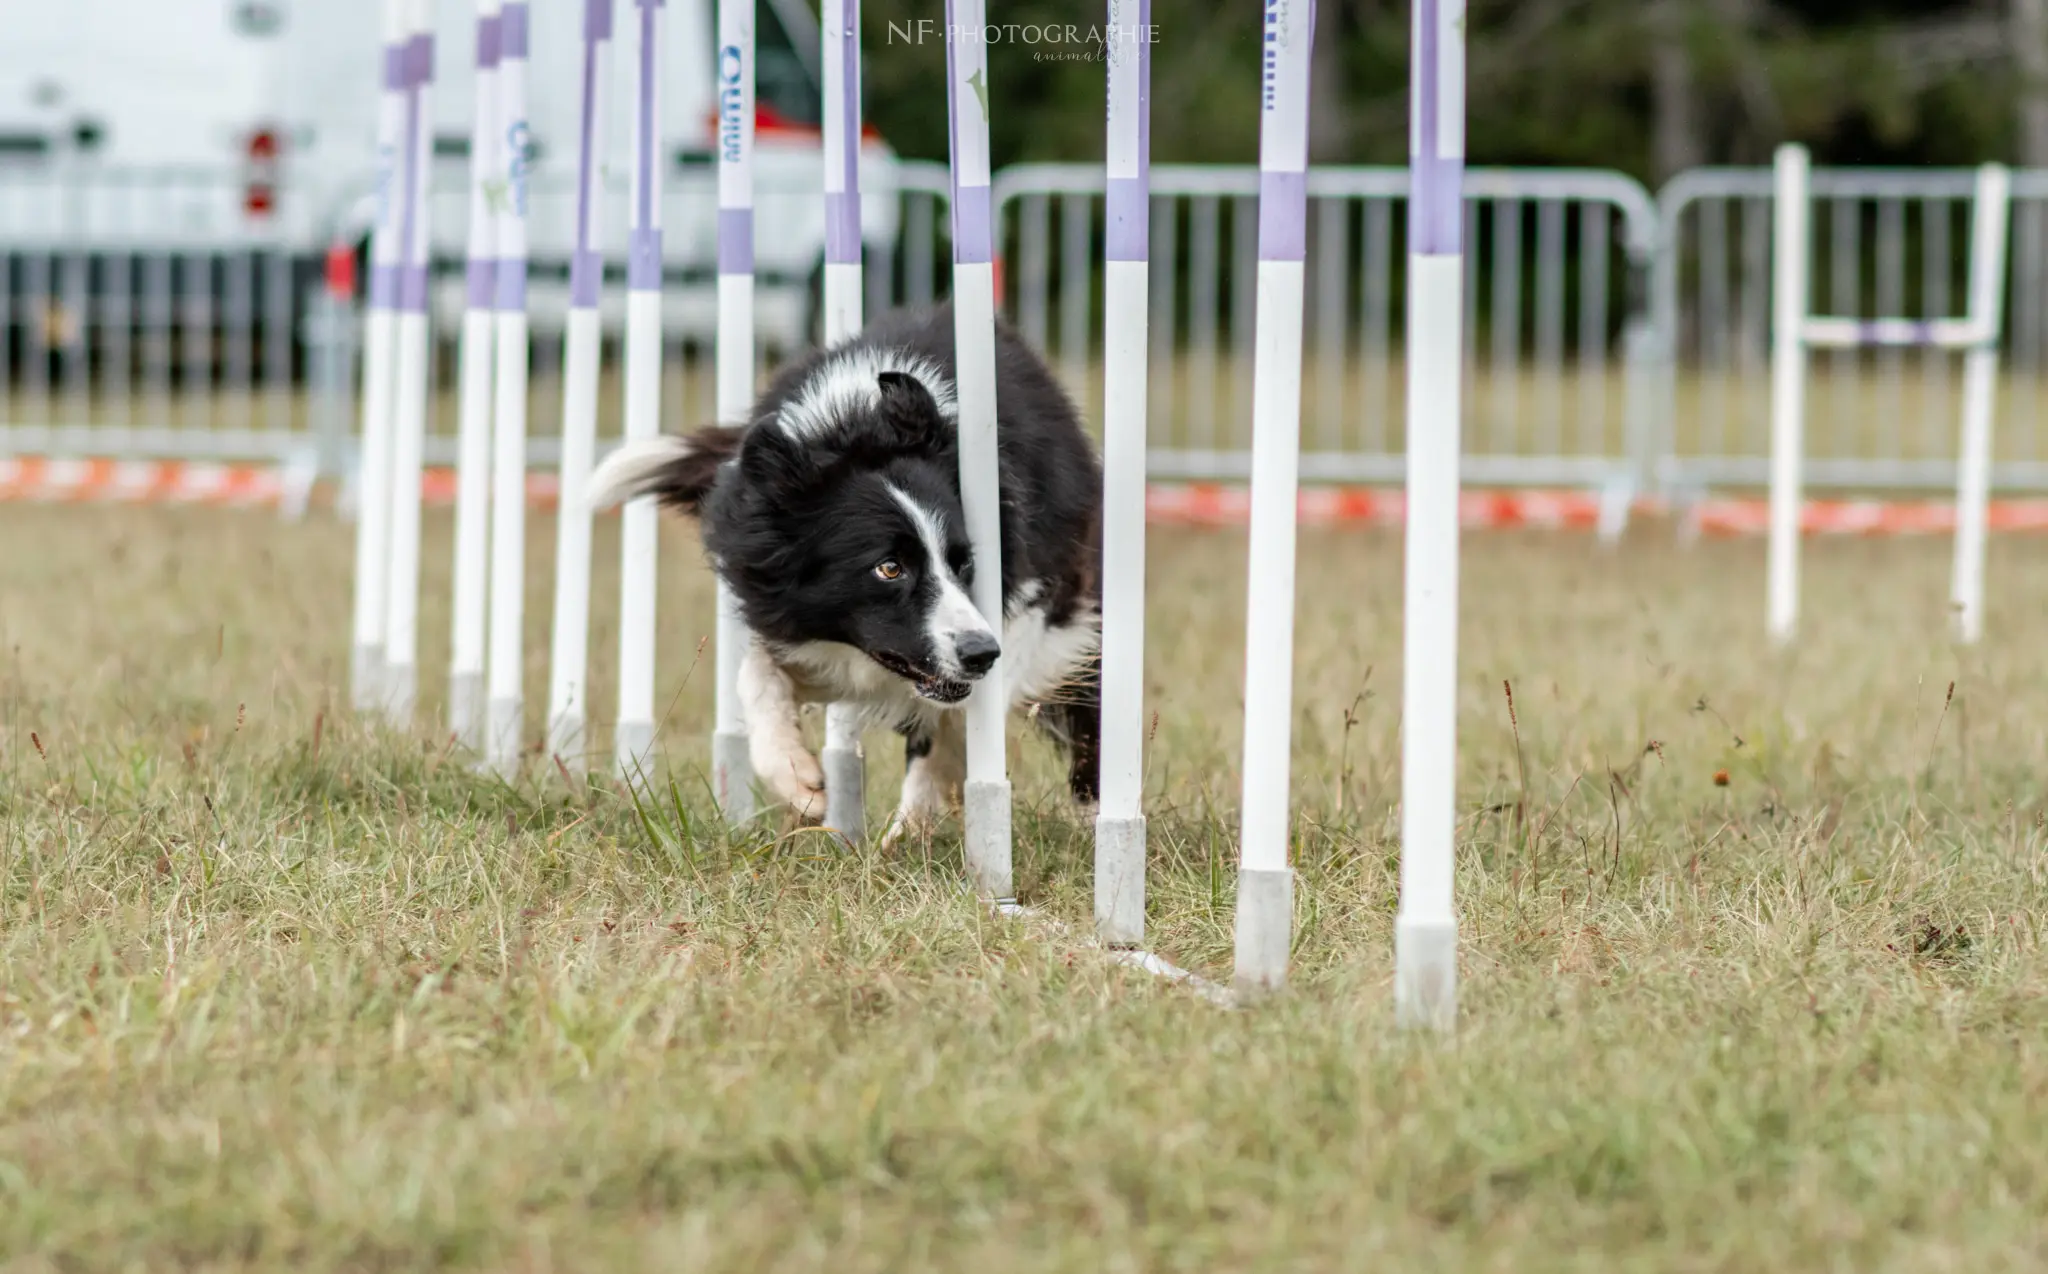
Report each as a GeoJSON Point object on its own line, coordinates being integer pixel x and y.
{"type": "Point", "coordinates": [1613, 339]}
{"type": "Point", "coordinates": [1558, 349]}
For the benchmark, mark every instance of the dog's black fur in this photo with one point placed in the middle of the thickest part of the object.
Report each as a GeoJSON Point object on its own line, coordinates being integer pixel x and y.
{"type": "Point", "coordinates": [811, 515]}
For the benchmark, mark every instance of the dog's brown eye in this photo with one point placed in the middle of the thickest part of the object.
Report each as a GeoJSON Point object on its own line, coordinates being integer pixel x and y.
{"type": "Point", "coordinates": [889, 570]}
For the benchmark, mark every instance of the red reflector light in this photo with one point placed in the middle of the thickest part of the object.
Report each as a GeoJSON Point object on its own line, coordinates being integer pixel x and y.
{"type": "Point", "coordinates": [263, 144]}
{"type": "Point", "coordinates": [259, 200]}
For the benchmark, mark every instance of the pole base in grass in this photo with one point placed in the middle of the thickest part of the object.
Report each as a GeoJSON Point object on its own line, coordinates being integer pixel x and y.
{"type": "Point", "coordinates": [846, 780]}
{"type": "Point", "coordinates": [732, 775]}
{"type": "Point", "coordinates": [565, 743]}
{"type": "Point", "coordinates": [504, 720]}
{"type": "Point", "coordinates": [466, 710]}
{"type": "Point", "coordinates": [1265, 931]}
{"type": "Point", "coordinates": [1426, 972]}
{"type": "Point", "coordinates": [1120, 881]}
{"type": "Point", "coordinates": [987, 810]}
{"type": "Point", "coordinates": [401, 686]}
{"type": "Point", "coordinates": [366, 678]}
{"type": "Point", "coordinates": [633, 750]}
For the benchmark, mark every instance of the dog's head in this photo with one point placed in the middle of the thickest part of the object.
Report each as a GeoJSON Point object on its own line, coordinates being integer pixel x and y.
{"type": "Point", "coordinates": [840, 522]}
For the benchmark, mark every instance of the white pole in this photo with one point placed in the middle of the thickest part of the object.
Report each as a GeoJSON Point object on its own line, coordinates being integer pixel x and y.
{"type": "Point", "coordinates": [1988, 226]}
{"type": "Point", "coordinates": [638, 578]}
{"type": "Point", "coordinates": [845, 770]}
{"type": "Point", "coordinates": [373, 462]}
{"type": "Point", "coordinates": [409, 418]}
{"type": "Point", "coordinates": [974, 314]}
{"type": "Point", "coordinates": [508, 425]}
{"type": "Point", "coordinates": [568, 686]}
{"type": "Point", "coordinates": [1120, 820]}
{"type": "Point", "coordinates": [473, 443]}
{"type": "Point", "coordinates": [732, 777]}
{"type": "Point", "coordinates": [1788, 388]}
{"type": "Point", "coordinates": [1426, 928]}
{"type": "Point", "coordinates": [1265, 885]}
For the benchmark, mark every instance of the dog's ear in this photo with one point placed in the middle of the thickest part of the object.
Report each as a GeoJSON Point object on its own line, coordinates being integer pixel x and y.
{"type": "Point", "coordinates": [909, 408]}
{"type": "Point", "coordinates": [774, 461]}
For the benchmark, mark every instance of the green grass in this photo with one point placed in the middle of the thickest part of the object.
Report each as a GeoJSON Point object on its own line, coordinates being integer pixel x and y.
{"type": "Point", "coordinates": [277, 991]}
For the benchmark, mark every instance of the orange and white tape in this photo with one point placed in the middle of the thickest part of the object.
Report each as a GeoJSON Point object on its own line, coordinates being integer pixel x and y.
{"type": "Point", "coordinates": [1189, 504]}
{"type": "Point", "coordinates": [64, 480]}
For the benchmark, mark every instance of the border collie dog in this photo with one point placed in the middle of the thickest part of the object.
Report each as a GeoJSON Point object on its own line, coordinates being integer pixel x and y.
{"type": "Point", "coordinates": [834, 517]}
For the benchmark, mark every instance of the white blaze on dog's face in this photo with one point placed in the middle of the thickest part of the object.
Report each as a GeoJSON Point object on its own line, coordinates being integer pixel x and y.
{"type": "Point", "coordinates": [962, 646]}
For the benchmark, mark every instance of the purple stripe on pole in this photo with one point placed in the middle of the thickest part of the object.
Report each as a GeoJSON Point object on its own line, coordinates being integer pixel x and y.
{"type": "Point", "coordinates": [973, 244]}
{"type": "Point", "coordinates": [842, 228]}
{"type": "Point", "coordinates": [412, 289]}
{"type": "Point", "coordinates": [482, 278]}
{"type": "Point", "coordinates": [586, 161]}
{"type": "Point", "coordinates": [1436, 214]}
{"type": "Point", "coordinates": [1283, 216]}
{"type": "Point", "coordinates": [643, 260]}
{"type": "Point", "coordinates": [586, 276]}
{"type": "Point", "coordinates": [394, 68]}
{"type": "Point", "coordinates": [512, 28]}
{"type": "Point", "coordinates": [384, 287]}
{"type": "Point", "coordinates": [511, 285]}
{"type": "Point", "coordinates": [1436, 220]}
{"type": "Point", "coordinates": [735, 240]}
{"type": "Point", "coordinates": [489, 37]}
{"type": "Point", "coordinates": [849, 102]}
{"type": "Point", "coordinates": [1128, 229]}
{"type": "Point", "coordinates": [419, 58]}
{"type": "Point", "coordinates": [597, 19]}
{"type": "Point", "coordinates": [643, 212]}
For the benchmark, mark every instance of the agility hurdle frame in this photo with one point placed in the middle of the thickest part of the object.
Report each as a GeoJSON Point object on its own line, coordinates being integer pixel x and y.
{"type": "Point", "coordinates": [1795, 330]}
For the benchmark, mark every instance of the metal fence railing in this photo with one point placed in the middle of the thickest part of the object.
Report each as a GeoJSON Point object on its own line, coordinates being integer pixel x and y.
{"type": "Point", "coordinates": [1613, 339]}
{"type": "Point", "coordinates": [1556, 335]}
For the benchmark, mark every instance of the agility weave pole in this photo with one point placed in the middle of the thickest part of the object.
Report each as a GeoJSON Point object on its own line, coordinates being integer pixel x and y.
{"type": "Point", "coordinates": [380, 333]}
{"type": "Point", "coordinates": [732, 774]}
{"type": "Point", "coordinates": [1426, 925]}
{"type": "Point", "coordinates": [504, 693]}
{"type": "Point", "coordinates": [1265, 883]}
{"type": "Point", "coordinates": [412, 379]}
{"type": "Point", "coordinates": [569, 647]}
{"type": "Point", "coordinates": [841, 759]}
{"type": "Point", "coordinates": [466, 710]}
{"type": "Point", "coordinates": [987, 813]}
{"type": "Point", "coordinates": [1120, 817]}
{"type": "Point", "coordinates": [639, 578]}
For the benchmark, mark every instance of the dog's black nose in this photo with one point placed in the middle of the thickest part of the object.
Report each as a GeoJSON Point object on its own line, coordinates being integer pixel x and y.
{"type": "Point", "coordinates": [977, 653]}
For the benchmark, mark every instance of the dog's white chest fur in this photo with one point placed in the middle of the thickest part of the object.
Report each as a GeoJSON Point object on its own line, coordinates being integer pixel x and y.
{"type": "Point", "coordinates": [1038, 658]}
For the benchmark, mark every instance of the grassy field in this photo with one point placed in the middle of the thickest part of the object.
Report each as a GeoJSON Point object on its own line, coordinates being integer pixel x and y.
{"type": "Point", "coordinates": [1753, 946]}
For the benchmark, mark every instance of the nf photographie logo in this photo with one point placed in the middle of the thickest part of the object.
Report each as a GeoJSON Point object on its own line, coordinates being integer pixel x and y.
{"type": "Point", "coordinates": [1048, 41]}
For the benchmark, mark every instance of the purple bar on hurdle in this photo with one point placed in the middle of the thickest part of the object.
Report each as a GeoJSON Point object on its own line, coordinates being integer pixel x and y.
{"type": "Point", "coordinates": [418, 72]}
{"type": "Point", "coordinates": [1436, 219]}
{"type": "Point", "coordinates": [586, 266]}
{"type": "Point", "coordinates": [1127, 203]}
{"type": "Point", "coordinates": [643, 246]}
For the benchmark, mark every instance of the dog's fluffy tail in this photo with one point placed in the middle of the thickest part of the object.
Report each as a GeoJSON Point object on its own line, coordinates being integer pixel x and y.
{"type": "Point", "coordinates": [676, 471]}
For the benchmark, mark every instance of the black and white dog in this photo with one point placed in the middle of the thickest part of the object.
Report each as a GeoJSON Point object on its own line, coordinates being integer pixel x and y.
{"type": "Point", "coordinates": [834, 516]}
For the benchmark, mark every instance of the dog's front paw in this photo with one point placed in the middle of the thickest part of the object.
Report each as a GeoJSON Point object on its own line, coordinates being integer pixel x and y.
{"type": "Point", "coordinates": [910, 822]}
{"type": "Point", "coordinates": [795, 778]}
